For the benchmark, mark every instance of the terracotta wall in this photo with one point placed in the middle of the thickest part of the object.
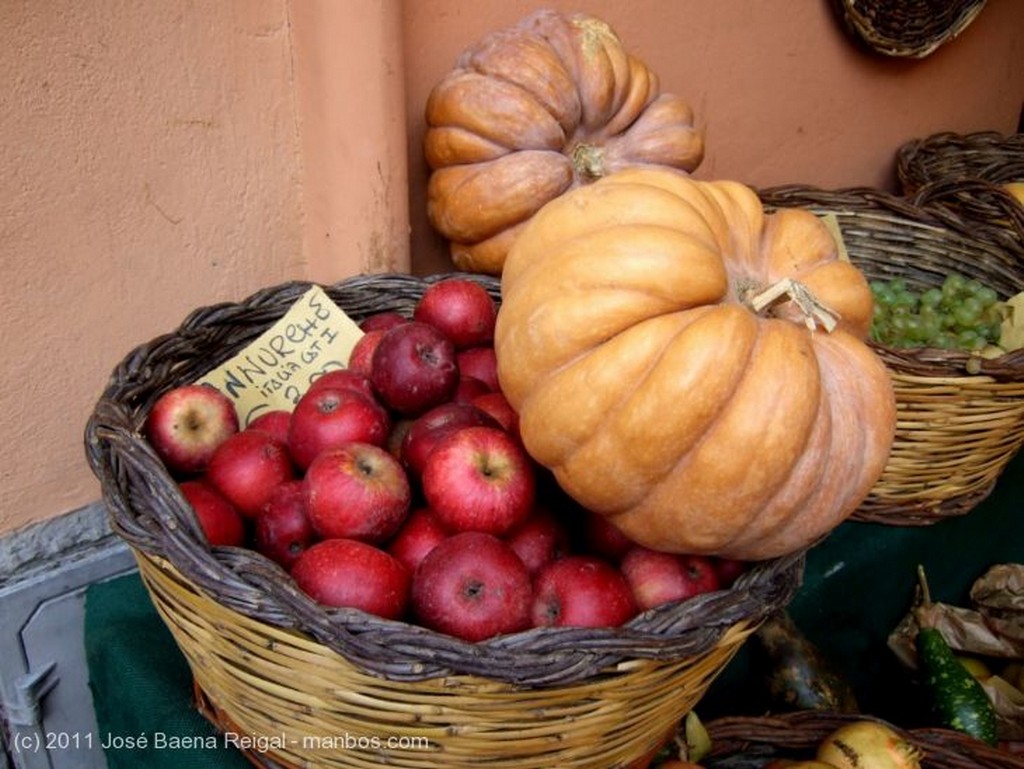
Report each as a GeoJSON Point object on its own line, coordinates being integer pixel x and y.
{"type": "Point", "coordinates": [155, 157]}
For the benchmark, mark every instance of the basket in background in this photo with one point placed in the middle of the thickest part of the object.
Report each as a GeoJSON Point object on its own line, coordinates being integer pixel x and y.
{"type": "Point", "coordinates": [906, 28]}
{"type": "Point", "coordinates": [965, 174]}
{"type": "Point", "coordinates": [960, 417]}
{"type": "Point", "coordinates": [797, 735]}
{"type": "Point", "coordinates": [267, 660]}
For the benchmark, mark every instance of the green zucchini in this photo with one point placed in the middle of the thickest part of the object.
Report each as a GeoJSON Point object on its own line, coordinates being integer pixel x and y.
{"type": "Point", "coordinates": [798, 675]}
{"type": "Point", "coordinates": [957, 699]}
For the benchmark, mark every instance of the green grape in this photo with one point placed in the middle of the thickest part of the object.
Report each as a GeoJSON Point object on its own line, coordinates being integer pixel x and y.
{"type": "Point", "coordinates": [931, 297]}
{"type": "Point", "coordinates": [944, 340]}
{"type": "Point", "coordinates": [905, 299]}
{"type": "Point", "coordinates": [897, 285]}
{"type": "Point", "coordinates": [952, 286]}
{"type": "Point", "coordinates": [987, 296]}
{"type": "Point", "coordinates": [931, 325]}
{"type": "Point", "coordinates": [969, 339]}
{"type": "Point", "coordinates": [972, 287]}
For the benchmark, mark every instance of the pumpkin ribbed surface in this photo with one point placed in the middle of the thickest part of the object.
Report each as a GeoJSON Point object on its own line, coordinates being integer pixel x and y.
{"type": "Point", "coordinates": [532, 111]}
{"type": "Point", "coordinates": [661, 394]}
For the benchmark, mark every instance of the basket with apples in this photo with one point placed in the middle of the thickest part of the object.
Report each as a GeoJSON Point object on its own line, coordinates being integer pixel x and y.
{"type": "Point", "coordinates": [382, 558]}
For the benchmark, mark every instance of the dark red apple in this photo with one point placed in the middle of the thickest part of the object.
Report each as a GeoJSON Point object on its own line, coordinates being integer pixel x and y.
{"type": "Point", "coordinates": [218, 519]}
{"type": "Point", "coordinates": [187, 424]}
{"type": "Point", "coordinates": [344, 379]}
{"type": "Point", "coordinates": [469, 388]}
{"type": "Point", "coordinates": [349, 573]}
{"type": "Point", "coordinates": [656, 578]}
{"type": "Point", "coordinates": [540, 539]}
{"type": "Point", "coordinates": [480, 363]}
{"type": "Point", "coordinates": [472, 586]}
{"type": "Point", "coordinates": [246, 467]}
{"type": "Point", "coordinates": [496, 404]}
{"type": "Point", "coordinates": [581, 591]}
{"type": "Point", "coordinates": [382, 320]}
{"type": "Point", "coordinates": [479, 479]}
{"type": "Point", "coordinates": [414, 368]}
{"type": "Point", "coordinates": [357, 491]}
{"type": "Point", "coordinates": [461, 308]}
{"type": "Point", "coordinates": [283, 531]}
{"type": "Point", "coordinates": [729, 570]}
{"type": "Point", "coordinates": [360, 359]}
{"type": "Point", "coordinates": [275, 422]}
{"type": "Point", "coordinates": [325, 418]}
{"type": "Point", "coordinates": [418, 535]}
{"type": "Point", "coordinates": [603, 538]}
{"type": "Point", "coordinates": [428, 429]}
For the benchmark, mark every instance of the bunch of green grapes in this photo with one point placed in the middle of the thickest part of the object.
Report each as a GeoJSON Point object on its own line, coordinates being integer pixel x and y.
{"type": "Point", "coordinates": [962, 314]}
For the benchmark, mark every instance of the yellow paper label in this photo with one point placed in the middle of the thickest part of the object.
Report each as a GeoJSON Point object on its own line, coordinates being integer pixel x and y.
{"type": "Point", "coordinates": [275, 370]}
{"type": "Point", "coordinates": [832, 222]}
{"type": "Point", "coordinates": [1011, 336]}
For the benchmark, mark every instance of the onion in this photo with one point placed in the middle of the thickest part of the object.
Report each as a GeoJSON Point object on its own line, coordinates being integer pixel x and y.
{"type": "Point", "coordinates": [868, 745]}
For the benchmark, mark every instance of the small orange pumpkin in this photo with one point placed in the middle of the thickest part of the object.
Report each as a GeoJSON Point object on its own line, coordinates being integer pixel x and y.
{"type": "Point", "coordinates": [532, 111]}
{"type": "Point", "coordinates": [662, 373]}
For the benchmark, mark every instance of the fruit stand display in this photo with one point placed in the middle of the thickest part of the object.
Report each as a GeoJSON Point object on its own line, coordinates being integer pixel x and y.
{"type": "Point", "coordinates": [526, 513]}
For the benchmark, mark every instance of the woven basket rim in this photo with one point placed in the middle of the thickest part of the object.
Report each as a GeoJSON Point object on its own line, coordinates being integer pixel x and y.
{"type": "Point", "coordinates": [908, 29]}
{"type": "Point", "coordinates": [875, 209]}
{"type": "Point", "coordinates": [802, 730]}
{"type": "Point", "coordinates": [133, 477]}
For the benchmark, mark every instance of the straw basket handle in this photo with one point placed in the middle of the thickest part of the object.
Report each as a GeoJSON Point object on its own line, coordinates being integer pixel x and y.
{"type": "Point", "coordinates": [982, 200]}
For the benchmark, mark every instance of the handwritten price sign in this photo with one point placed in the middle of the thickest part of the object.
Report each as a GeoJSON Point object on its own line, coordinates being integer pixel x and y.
{"type": "Point", "coordinates": [273, 372]}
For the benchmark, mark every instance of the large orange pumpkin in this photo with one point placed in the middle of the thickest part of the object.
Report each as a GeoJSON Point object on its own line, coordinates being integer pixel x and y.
{"type": "Point", "coordinates": [650, 340]}
{"type": "Point", "coordinates": [532, 111]}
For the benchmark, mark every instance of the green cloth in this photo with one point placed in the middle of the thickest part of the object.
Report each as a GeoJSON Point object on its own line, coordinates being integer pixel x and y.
{"type": "Point", "coordinates": [142, 687]}
{"type": "Point", "coordinates": [858, 585]}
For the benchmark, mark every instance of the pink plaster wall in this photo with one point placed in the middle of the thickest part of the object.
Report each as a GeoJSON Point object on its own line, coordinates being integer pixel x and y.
{"type": "Point", "coordinates": [155, 157]}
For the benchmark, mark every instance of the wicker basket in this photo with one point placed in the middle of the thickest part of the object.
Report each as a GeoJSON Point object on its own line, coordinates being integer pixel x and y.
{"type": "Point", "coordinates": [906, 28]}
{"type": "Point", "coordinates": [960, 417]}
{"type": "Point", "coordinates": [965, 173]}
{"type": "Point", "coordinates": [750, 742]}
{"type": "Point", "coordinates": [267, 660]}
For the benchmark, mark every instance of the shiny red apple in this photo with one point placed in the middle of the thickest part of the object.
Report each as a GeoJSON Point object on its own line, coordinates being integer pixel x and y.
{"type": "Point", "coordinates": [581, 591]}
{"type": "Point", "coordinates": [461, 308]}
{"type": "Point", "coordinates": [349, 573]}
{"type": "Point", "coordinates": [247, 467]}
{"type": "Point", "coordinates": [220, 522]}
{"type": "Point", "coordinates": [327, 417]}
{"type": "Point", "coordinates": [186, 425]}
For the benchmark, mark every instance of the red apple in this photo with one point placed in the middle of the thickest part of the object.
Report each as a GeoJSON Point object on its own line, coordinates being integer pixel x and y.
{"type": "Point", "coordinates": [603, 538]}
{"type": "Point", "coordinates": [414, 368]}
{"type": "Point", "coordinates": [326, 417]}
{"type": "Point", "coordinates": [472, 586]}
{"type": "Point", "coordinates": [469, 388]}
{"type": "Point", "coordinates": [357, 491]}
{"type": "Point", "coordinates": [344, 379]}
{"type": "Point", "coordinates": [581, 591]}
{"type": "Point", "coordinates": [419, 534]}
{"type": "Point", "coordinates": [461, 308]}
{"type": "Point", "coordinates": [246, 467]}
{"type": "Point", "coordinates": [219, 521]}
{"type": "Point", "coordinates": [360, 359]}
{"type": "Point", "coordinates": [283, 531]}
{"type": "Point", "coordinates": [496, 404]}
{"type": "Point", "coordinates": [656, 578]}
{"type": "Point", "coordinates": [728, 570]}
{"type": "Point", "coordinates": [349, 573]}
{"type": "Point", "coordinates": [427, 430]}
{"type": "Point", "coordinates": [479, 479]}
{"type": "Point", "coordinates": [382, 320]}
{"type": "Point", "coordinates": [275, 422]}
{"type": "Point", "coordinates": [187, 424]}
{"type": "Point", "coordinates": [539, 539]}
{"type": "Point", "coordinates": [480, 363]}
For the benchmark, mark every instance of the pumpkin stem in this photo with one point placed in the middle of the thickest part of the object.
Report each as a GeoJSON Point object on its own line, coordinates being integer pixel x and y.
{"type": "Point", "coordinates": [814, 311]}
{"type": "Point", "coordinates": [588, 161]}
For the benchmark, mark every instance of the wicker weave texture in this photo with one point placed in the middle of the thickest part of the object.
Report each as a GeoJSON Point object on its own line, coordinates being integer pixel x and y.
{"type": "Point", "coordinates": [960, 418]}
{"type": "Point", "coordinates": [965, 173]}
{"type": "Point", "coordinates": [906, 28]}
{"type": "Point", "coordinates": [268, 681]}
